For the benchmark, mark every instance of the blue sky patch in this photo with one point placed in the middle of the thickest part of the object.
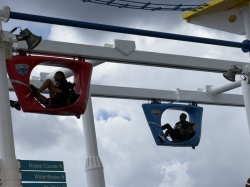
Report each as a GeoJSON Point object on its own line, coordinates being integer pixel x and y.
{"type": "Point", "coordinates": [104, 115]}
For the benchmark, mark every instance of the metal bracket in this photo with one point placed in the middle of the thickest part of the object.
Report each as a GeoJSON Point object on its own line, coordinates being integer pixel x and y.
{"type": "Point", "coordinates": [193, 103]}
{"type": "Point", "coordinates": [7, 50]}
{"type": "Point", "coordinates": [177, 94]}
{"type": "Point", "coordinates": [208, 92]}
{"type": "Point", "coordinates": [7, 39]}
{"type": "Point", "coordinates": [155, 101]}
{"type": "Point", "coordinates": [125, 47]}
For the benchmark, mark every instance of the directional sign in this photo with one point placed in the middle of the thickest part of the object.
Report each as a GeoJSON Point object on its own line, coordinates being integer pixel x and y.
{"type": "Point", "coordinates": [41, 165]}
{"type": "Point", "coordinates": [43, 176]}
{"type": "Point", "coordinates": [44, 184]}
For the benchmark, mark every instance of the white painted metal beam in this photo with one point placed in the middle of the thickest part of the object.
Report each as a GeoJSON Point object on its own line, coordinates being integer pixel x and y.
{"type": "Point", "coordinates": [136, 58]}
{"type": "Point", "coordinates": [182, 96]}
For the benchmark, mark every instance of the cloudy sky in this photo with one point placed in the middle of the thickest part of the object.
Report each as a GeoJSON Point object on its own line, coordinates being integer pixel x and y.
{"type": "Point", "coordinates": [126, 146]}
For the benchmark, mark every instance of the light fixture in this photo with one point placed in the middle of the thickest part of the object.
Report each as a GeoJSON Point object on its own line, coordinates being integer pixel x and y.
{"type": "Point", "coordinates": [230, 74]}
{"type": "Point", "coordinates": [31, 39]}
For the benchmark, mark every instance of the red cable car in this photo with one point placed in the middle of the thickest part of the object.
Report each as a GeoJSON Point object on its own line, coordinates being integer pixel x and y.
{"type": "Point", "coordinates": [19, 69]}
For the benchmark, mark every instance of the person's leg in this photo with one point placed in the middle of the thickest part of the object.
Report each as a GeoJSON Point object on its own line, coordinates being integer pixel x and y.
{"type": "Point", "coordinates": [168, 131]}
{"type": "Point", "coordinates": [41, 98]}
{"type": "Point", "coordinates": [176, 135]}
{"type": "Point", "coordinates": [51, 87]}
{"type": "Point", "coordinates": [163, 127]}
{"type": "Point", "coordinates": [37, 92]}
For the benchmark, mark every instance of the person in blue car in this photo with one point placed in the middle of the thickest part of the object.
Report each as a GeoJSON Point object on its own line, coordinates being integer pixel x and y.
{"type": "Point", "coordinates": [180, 132]}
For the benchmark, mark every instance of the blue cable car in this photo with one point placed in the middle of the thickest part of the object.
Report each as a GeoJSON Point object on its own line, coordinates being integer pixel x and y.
{"type": "Point", "coordinates": [154, 111]}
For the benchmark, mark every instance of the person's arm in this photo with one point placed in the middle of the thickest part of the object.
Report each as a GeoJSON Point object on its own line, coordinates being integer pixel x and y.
{"type": "Point", "coordinates": [62, 88]}
{"type": "Point", "coordinates": [184, 128]}
{"type": "Point", "coordinates": [58, 91]}
{"type": "Point", "coordinates": [187, 127]}
{"type": "Point", "coordinates": [163, 127]}
{"type": "Point", "coordinates": [177, 125]}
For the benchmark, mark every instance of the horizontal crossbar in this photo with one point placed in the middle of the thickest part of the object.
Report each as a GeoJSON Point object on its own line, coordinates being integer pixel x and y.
{"type": "Point", "coordinates": [182, 96]}
{"type": "Point", "coordinates": [109, 54]}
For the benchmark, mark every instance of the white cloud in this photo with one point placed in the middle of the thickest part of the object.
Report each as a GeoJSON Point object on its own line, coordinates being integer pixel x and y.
{"type": "Point", "coordinates": [175, 175]}
{"type": "Point", "coordinates": [65, 34]}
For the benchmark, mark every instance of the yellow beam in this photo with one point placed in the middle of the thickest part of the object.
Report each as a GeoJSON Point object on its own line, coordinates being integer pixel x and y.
{"type": "Point", "coordinates": [214, 6]}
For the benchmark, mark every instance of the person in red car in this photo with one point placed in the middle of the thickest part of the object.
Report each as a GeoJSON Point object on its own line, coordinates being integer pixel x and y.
{"type": "Point", "coordinates": [58, 92]}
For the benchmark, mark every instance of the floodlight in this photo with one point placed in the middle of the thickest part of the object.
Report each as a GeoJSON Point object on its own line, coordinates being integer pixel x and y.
{"type": "Point", "coordinates": [230, 74]}
{"type": "Point", "coordinates": [31, 39]}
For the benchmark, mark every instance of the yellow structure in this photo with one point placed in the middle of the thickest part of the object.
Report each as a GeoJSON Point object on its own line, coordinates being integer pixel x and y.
{"type": "Point", "coordinates": [214, 6]}
{"type": "Point", "coordinates": [223, 15]}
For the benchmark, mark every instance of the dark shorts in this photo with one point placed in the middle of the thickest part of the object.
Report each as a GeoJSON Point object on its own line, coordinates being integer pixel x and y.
{"type": "Point", "coordinates": [55, 102]}
{"type": "Point", "coordinates": [58, 102]}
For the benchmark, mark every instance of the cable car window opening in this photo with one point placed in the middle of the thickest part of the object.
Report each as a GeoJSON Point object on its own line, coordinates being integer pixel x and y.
{"type": "Point", "coordinates": [61, 99]}
{"type": "Point", "coordinates": [171, 117]}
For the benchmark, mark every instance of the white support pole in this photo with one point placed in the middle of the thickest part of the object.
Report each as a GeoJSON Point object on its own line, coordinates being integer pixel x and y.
{"type": "Point", "coordinates": [244, 84]}
{"type": "Point", "coordinates": [214, 91]}
{"type": "Point", "coordinates": [9, 169]}
{"type": "Point", "coordinates": [246, 96]}
{"type": "Point", "coordinates": [245, 15]}
{"type": "Point", "coordinates": [93, 167]}
{"type": "Point", "coordinates": [7, 148]}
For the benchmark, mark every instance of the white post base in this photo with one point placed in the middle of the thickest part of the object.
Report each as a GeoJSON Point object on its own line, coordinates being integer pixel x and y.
{"type": "Point", "coordinates": [94, 172]}
{"type": "Point", "coordinates": [11, 184]}
{"type": "Point", "coordinates": [10, 170]}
